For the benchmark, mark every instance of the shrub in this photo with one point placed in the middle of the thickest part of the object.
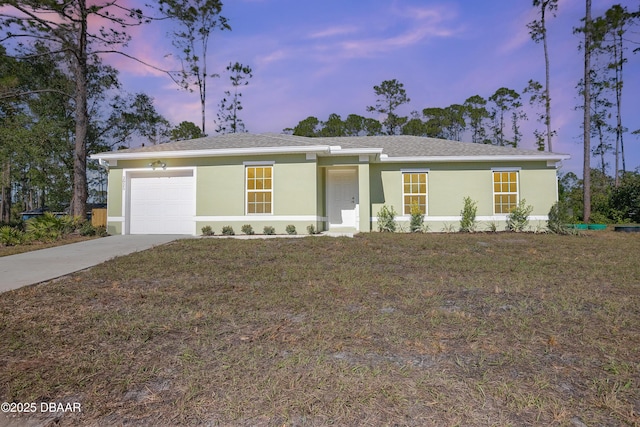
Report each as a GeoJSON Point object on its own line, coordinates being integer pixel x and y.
{"type": "Point", "coordinates": [492, 227]}
{"type": "Point", "coordinates": [101, 231]}
{"type": "Point", "coordinates": [518, 218]}
{"type": "Point", "coordinates": [48, 227]}
{"type": "Point", "coordinates": [269, 230]}
{"type": "Point", "coordinates": [387, 219]}
{"type": "Point", "coordinates": [10, 236]}
{"type": "Point", "coordinates": [227, 230]}
{"type": "Point", "coordinates": [207, 231]}
{"type": "Point", "coordinates": [86, 229]}
{"type": "Point", "coordinates": [416, 225]}
{"type": "Point", "coordinates": [247, 229]}
{"type": "Point", "coordinates": [468, 214]}
{"type": "Point", "coordinates": [558, 218]}
{"type": "Point", "coordinates": [291, 229]}
{"type": "Point", "coordinates": [311, 229]}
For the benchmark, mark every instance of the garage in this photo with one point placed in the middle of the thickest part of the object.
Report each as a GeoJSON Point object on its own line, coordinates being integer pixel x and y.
{"type": "Point", "coordinates": [162, 202]}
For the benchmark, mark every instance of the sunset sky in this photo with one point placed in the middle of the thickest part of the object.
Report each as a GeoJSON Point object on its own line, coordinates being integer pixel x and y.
{"type": "Point", "coordinates": [313, 58]}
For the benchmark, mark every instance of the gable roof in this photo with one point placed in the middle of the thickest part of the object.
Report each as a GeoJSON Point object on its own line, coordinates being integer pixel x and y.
{"type": "Point", "coordinates": [394, 148]}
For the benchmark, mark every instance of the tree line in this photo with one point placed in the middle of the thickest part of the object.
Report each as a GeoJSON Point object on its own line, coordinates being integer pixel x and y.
{"type": "Point", "coordinates": [495, 120]}
{"type": "Point", "coordinates": [59, 102]}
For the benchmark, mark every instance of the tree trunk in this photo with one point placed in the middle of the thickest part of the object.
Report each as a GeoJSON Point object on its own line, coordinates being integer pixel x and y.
{"type": "Point", "coordinates": [79, 200]}
{"type": "Point", "coordinates": [547, 90]}
{"type": "Point", "coordinates": [5, 183]}
{"type": "Point", "coordinates": [586, 177]}
{"type": "Point", "coordinates": [619, 129]}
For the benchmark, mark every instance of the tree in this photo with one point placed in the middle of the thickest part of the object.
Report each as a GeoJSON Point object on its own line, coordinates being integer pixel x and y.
{"type": "Point", "coordinates": [231, 105]}
{"type": "Point", "coordinates": [506, 101]}
{"type": "Point", "coordinates": [625, 199]}
{"type": "Point", "coordinates": [415, 126]}
{"type": "Point", "coordinates": [537, 97]}
{"type": "Point", "coordinates": [586, 167]}
{"type": "Point", "coordinates": [391, 94]}
{"type": "Point", "coordinates": [197, 19]}
{"type": "Point", "coordinates": [64, 27]}
{"type": "Point", "coordinates": [134, 115]}
{"type": "Point", "coordinates": [308, 127]}
{"type": "Point", "coordinates": [334, 126]}
{"type": "Point", "coordinates": [608, 37]}
{"type": "Point", "coordinates": [538, 32]}
{"type": "Point", "coordinates": [476, 111]}
{"type": "Point", "coordinates": [186, 130]}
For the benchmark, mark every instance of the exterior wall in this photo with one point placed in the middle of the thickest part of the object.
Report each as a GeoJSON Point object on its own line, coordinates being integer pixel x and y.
{"type": "Point", "coordinates": [294, 195]}
{"type": "Point", "coordinates": [299, 192]}
{"type": "Point", "coordinates": [221, 193]}
{"type": "Point", "coordinates": [449, 184]}
{"type": "Point", "coordinates": [115, 214]}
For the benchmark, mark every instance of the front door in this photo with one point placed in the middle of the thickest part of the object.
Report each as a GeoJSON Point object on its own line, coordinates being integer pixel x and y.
{"type": "Point", "coordinates": [342, 198]}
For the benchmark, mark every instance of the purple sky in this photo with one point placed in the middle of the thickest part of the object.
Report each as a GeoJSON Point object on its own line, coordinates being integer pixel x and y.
{"type": "Point", "coordinates": [315, 58]}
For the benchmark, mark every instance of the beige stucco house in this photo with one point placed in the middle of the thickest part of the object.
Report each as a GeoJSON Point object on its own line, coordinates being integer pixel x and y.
{"type": "Point", "coordinates": [335, 184]}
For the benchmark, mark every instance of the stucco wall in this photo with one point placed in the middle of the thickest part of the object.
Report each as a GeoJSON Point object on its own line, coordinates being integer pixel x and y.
{"type": "Point", "coordinates": [449, 184]}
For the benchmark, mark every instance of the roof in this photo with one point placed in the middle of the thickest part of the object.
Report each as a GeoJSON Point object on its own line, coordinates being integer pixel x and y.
{"type": "Point", "coordinates": [385, 148]}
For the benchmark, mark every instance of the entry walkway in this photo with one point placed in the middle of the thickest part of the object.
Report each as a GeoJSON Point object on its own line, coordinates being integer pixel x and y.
{"type": "Point", "coordinates": [45, 264]}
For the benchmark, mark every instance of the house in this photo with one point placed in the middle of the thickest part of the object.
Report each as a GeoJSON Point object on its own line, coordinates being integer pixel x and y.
{"type": "Point", "coordinates": [334, 184]}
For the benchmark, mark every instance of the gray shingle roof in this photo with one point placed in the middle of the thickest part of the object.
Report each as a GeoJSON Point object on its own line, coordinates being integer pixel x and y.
{"type": "Point", "coordinates": [392, 146]}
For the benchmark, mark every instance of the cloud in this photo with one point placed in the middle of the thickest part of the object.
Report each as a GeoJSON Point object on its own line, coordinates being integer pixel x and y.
{"type": "Point", "coordinates": [334, 31]}
{"type": "Point", "coordinates": [396, 28]}
{"type": "Point", "coordinates": [275, 56]}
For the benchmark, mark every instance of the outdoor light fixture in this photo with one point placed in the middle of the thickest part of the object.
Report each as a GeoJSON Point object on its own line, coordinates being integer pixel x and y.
{"type": "Point", "coordinates": [155, 164]}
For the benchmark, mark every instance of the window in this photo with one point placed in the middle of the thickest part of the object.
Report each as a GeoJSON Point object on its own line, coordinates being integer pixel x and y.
{"type": "Point", "coordinates": [259, 189]}
{"type": "Point", "coordinates": [505, 191]}
{"type": "Point", "coordinates": [414, 191]}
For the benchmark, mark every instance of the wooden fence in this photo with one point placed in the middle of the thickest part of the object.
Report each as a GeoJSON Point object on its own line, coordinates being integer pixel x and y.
{"type": "Point", "coordinates": [99, 217]}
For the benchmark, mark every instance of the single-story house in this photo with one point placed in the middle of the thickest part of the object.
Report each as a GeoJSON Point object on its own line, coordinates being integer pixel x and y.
{"type": "Point", "coordinates": [334, 184]}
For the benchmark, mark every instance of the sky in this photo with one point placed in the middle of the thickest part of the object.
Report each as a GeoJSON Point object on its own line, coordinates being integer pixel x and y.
{"type": "Point", "coordinates": [315, 58]}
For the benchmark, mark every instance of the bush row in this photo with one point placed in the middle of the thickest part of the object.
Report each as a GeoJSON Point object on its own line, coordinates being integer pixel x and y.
{"type": "Point", "coordinates": [517, 219]}
{"type": "Point", "coordinates": [46, 228]}
{"type": "Point", "coordinates": [247, 229]}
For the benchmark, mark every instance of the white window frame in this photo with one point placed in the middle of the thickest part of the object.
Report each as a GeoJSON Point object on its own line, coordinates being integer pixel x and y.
{"type": "Point", "coordinates": [493, 187]}
{"type": "Point", "coordinates": [248, 165]}
{"type": "Point", "coordinates": [426, 177]}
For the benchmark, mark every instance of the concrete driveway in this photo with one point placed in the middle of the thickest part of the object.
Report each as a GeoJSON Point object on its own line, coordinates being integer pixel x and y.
{"type": "Point", "coordinates": [45, 264]}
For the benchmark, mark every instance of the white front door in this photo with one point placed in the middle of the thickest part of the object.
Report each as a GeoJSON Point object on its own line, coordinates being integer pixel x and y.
{"type": "Point", "coordinates": [342, 198]}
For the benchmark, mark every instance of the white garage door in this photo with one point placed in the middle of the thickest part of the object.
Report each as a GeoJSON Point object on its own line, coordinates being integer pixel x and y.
{"type": "Point", "coordinates": [162, 203]}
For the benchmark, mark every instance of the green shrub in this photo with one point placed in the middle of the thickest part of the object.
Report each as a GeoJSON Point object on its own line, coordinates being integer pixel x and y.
{"type": "Point", "coordinates": [10, 236]}
{"type": "Point", "coordinates": [416, 225]}
{"type": "Point", "coordinates": [468, 214]}
{"type": "Point", "coordinates": [387, 219]}
{"type": "Point", "coordinates": [291, 229]}
{"type": "Point", "coordinates": [48, 227]}
{"type": "Point", "coordinates": [86, 229]}
{"type": "Point", "coordinates": [269, 230]}
{"type": "Point", "coordinates": [247, 229]}
{"type": "Point", "coordinates": [101, 231]}
{"type": "Point", "coordinates": [227, 230]}
{"type": "Point", "coordinates": [518, 218]}
{"type": "Point", "coordinates": [492, 227]}
{"type": "Point", "coordinates": [311, 229]}
{"type": "Point", "coordinates": [207, 231]}
{"type": "Point", "coordinates": [599, 218]}
{"type": "Point", "coordinates": [558, 218]}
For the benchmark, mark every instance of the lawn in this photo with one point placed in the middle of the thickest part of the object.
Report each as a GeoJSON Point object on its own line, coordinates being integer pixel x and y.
{"type": "Point", "coordinates": [497, 329]}
{"type": "Point", "coordinates": [36, 245]}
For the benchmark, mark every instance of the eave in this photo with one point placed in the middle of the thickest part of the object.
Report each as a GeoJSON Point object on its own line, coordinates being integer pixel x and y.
{"type": "Point", "coordinates": [318, 149]}
{"type": "Point", "coordinates": [457, 159]}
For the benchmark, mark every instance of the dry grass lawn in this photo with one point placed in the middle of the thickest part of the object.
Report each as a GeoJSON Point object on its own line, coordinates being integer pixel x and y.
{"type": "Point", "coordinates": [439, 329]}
